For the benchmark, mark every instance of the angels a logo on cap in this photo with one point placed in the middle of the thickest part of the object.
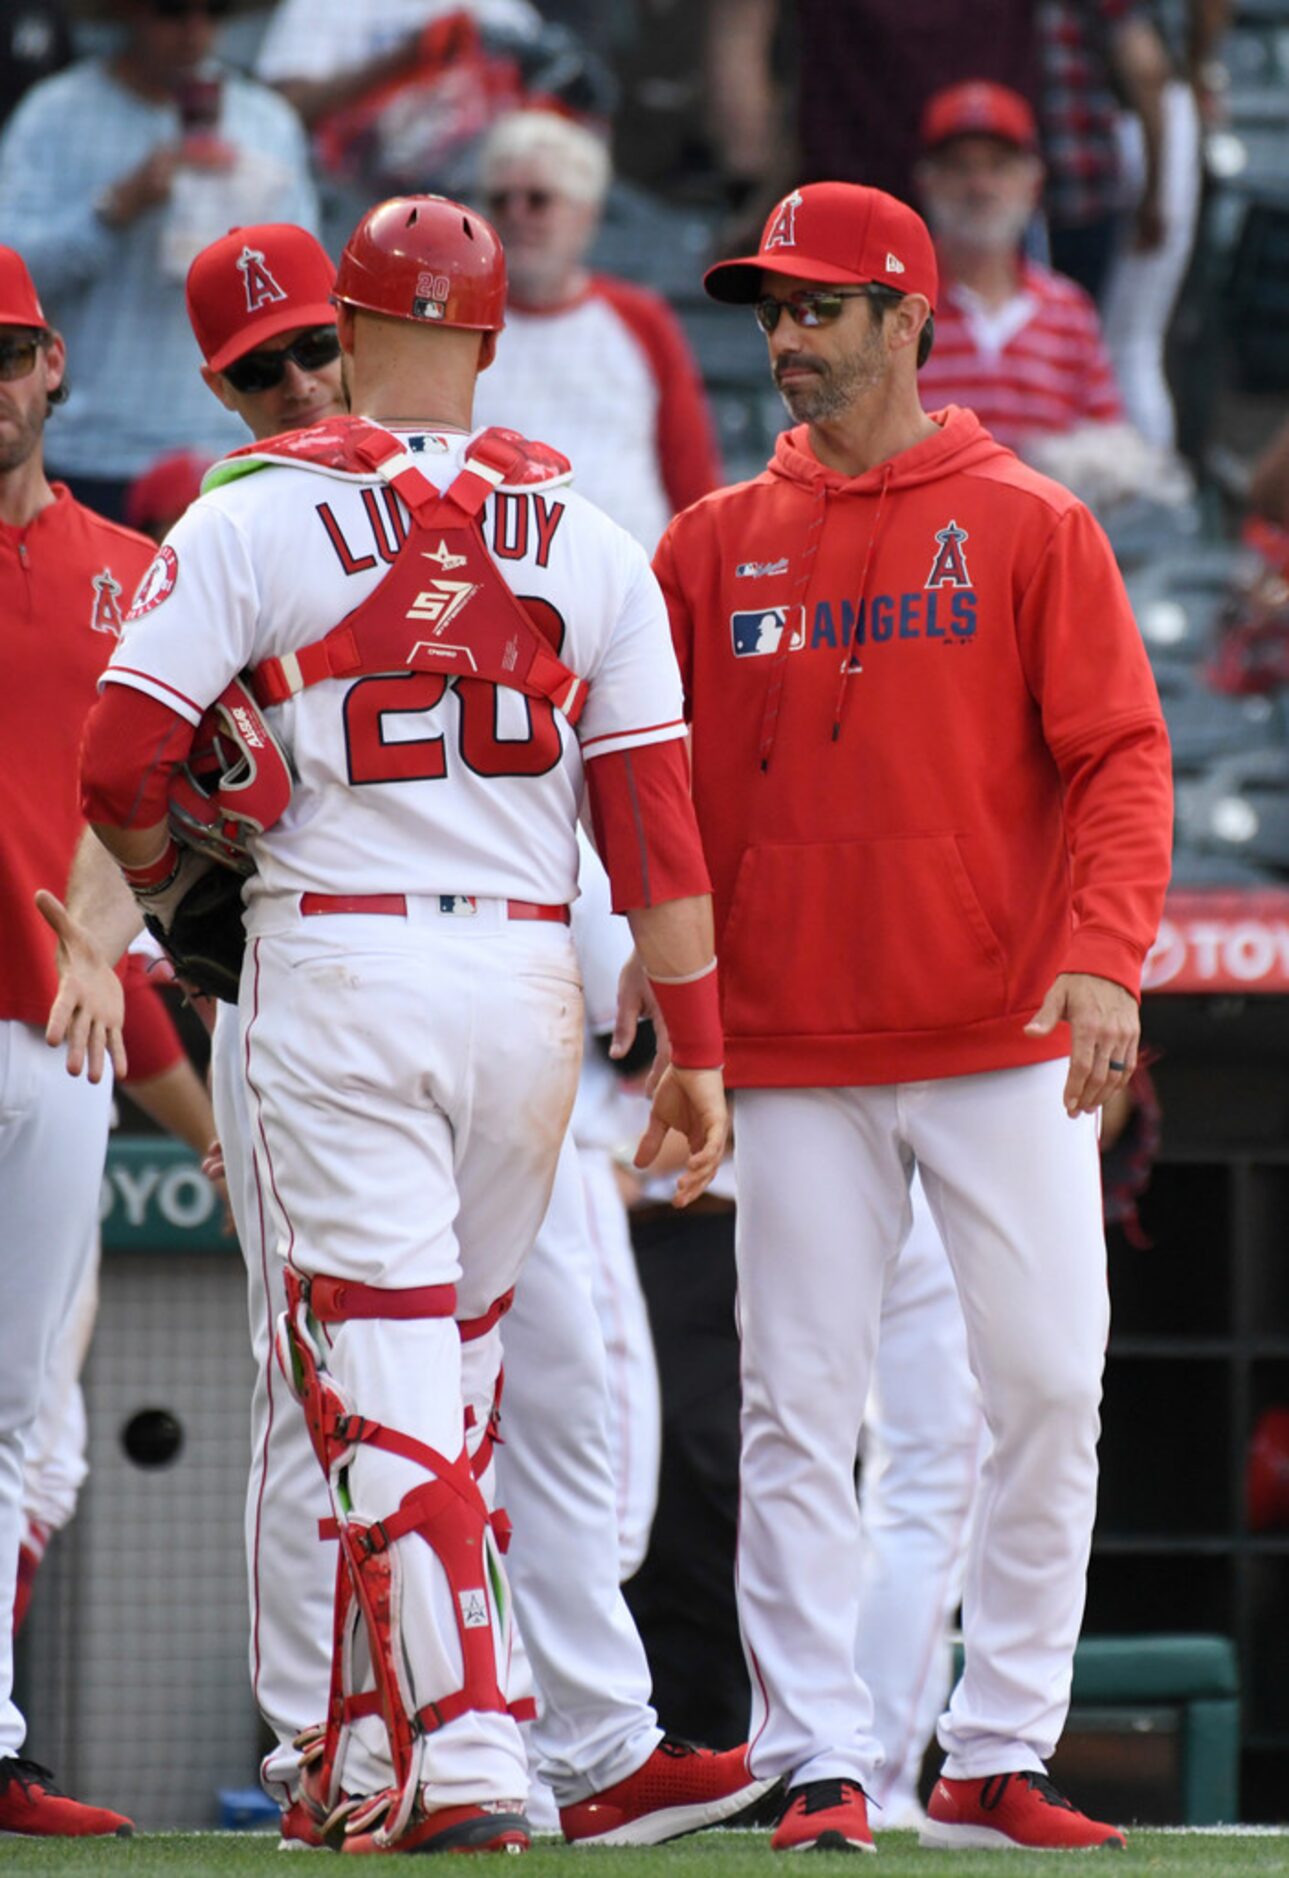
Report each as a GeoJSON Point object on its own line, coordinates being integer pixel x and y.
{"type": "Point", "coordinates": [783, 229]}
{"type": "Point", "coordinates": [261, 288]}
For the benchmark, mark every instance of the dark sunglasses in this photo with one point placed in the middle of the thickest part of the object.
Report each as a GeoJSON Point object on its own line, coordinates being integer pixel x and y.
{"type": "Point", "coordinates": [263, 371]}
{"type": "Point", "coordinates": [18, 357]}
{"type": "Point", "coordinates": [808, 308]}
{"type": "Point", "coordinates": [185, 9]}
{"type": "Point", "coordinates": [533, 199]}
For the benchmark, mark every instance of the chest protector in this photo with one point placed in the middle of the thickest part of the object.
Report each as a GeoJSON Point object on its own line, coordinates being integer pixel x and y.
{"type": "Point", "coordinates": [443, 606]}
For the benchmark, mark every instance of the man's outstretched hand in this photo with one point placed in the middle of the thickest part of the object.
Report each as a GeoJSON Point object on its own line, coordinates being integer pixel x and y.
{"type": "Point", "coordinates": [89, 1010]}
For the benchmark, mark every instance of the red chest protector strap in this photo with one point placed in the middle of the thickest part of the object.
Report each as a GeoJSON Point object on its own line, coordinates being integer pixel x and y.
{"type": "Point", "coordinates": [443, 606]}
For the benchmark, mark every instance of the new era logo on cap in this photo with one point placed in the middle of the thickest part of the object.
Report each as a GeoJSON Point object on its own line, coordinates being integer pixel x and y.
{"type": "Point", "coordinates": [894, 265]}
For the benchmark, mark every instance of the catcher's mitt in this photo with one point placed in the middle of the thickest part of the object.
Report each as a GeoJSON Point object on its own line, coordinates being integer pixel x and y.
{"type": "Point", "coordinates": [235, 784]}
{"type": "Point", "coordinates": [204, 938]}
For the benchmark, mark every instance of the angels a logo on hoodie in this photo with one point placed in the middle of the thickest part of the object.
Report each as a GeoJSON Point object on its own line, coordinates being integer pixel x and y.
{"type": "Point", "coordinates": [106, 616]}
{"type": "Point", "coordinates": [949, 568]}
{"type": "Point", "coordinates": [757, 634]}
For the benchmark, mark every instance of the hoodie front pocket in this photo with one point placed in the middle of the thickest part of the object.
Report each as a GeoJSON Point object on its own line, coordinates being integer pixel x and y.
{"type": "Point", "coordinates": [850, 938]}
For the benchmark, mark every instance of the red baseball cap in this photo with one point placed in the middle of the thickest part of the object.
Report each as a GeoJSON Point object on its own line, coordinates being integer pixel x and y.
{"type": "Point", "coordinates": [834, 233]}
{"type": "Point", "coordinates": [163, 492]}
{"type": "Point", "coordinates": [978, 109]}
{"type": "Point", "coordinates": [19, 304]}
{"type": "Point", "coordinates": [1266, 1480]}
{"type": "Point", "coordinates": [254, 283]}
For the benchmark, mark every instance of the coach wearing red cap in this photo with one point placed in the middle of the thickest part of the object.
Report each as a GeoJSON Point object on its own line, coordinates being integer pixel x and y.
{"type": "Point", "coordinates": [1016, 342]}
{"type": "Point", "coordinates": [932, 780]}
{"type": "Point", "coordinates": [259, 300]}
{"type": "Point", "coordinates": [66, 577]}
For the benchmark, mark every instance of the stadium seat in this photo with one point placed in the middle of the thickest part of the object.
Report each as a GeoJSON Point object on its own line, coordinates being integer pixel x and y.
{"type": "Point", "coordinates": [1141, 531]}
{"type": "Point", "coordinates": [1185, 1686]}
{"type": "Point", "coordinates": [1241, 809]}
{"type": "Point", "coordinates": [1204, 726]}
{"type": "Point", "coordinates": [1176, 600]}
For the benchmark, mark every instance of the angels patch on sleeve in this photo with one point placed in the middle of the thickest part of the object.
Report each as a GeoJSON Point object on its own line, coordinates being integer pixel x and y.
{"type": "Point", "coordinates": [157, 584]}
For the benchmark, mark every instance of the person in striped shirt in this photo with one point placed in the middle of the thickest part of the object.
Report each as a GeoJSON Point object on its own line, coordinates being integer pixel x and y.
{"type": "Point", "coordinates": [1018, 344]}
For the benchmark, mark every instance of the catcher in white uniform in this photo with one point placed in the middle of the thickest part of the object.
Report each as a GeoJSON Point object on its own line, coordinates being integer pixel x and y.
{"type": "Point", "coordinates": [410, 1009]}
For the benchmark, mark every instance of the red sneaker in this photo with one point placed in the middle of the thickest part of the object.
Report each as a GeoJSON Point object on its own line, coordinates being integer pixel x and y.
{"type": "Point", "coordinates": [487, 1826]}
{"type": "Point", "coordinates": [679, 1789]}
{"type": "Point", "coordinates": [1009, 1810]}
{"type": "Point", "coordinates": [31, 1803]}
{"type": "Point", "coordinates": [824, 1816]}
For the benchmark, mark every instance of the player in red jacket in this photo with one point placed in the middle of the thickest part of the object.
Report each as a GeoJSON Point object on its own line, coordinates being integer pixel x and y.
{"type": "Point", "coordinates": [65, 580]}
{"type": "Point", "coordinates": [932, 779]}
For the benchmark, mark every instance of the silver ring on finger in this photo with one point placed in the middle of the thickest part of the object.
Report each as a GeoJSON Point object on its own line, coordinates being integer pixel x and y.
{"type": "Point", "coordinates": [1117, 1066]}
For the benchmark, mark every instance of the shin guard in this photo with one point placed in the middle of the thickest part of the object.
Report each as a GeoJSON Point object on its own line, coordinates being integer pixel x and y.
{"type": "Point", "coordinates": [447, 1512]}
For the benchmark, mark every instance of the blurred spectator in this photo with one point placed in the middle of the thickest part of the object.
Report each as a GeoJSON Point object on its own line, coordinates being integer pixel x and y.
{"type": "Point", "coordinates": [172, 152]}
{"type": "Point", "coordinates": [1095, 53]}
{"type": "Point", "coordinates": [35, 41]}
{"type": "Point", "coordinates": [593, 365]}
{"type": "Point", "coordinates": [1146, 275]}
{"type": "Point", "coordinates": [1269, 488]}
{"type": "Point", "coordinates": [1017, 343]}
{"type": "Point", "coordinates": [864, 70]}
{"type": "Point", "coordinates": [398, 92]}
{"type": "Point", "coordinates": [155, 501]}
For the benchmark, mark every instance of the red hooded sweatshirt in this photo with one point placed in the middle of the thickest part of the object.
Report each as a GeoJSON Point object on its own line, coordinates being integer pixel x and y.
{"type": "Point", "coordinates": [929, 762]}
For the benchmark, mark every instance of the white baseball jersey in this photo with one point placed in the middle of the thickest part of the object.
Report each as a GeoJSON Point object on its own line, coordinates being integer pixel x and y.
{"type": "Point", "coordinates": [481, 786]}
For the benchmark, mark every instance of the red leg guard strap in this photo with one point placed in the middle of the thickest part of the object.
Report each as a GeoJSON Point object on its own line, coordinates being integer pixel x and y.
{"type": "Point", "coordinates": [474, 1327]}
{"type": "Point", "coordinates": [333, 1300]}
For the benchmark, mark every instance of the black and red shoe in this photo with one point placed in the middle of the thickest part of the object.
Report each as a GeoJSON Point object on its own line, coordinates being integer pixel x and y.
{"type": "Point", "coordinates": [486, 1826]}
{"type": "Point", "coordinates": [1010, 1810]}
{"type": "Point", "coordinates": [824, 1816]}
{"type": "Point", "coordinates": [31, 1803]}
{"type": "Point", "coordinates": [679, 1789]}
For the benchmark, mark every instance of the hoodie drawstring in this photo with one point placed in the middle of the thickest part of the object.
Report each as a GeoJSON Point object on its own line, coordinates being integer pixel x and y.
{"type": "Point", "coordinates": [805, 567]}
{"type": "Point", "coordinates": [850, 659]}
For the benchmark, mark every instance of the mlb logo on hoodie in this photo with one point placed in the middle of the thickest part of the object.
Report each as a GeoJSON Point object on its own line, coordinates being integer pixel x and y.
{"type": "Point", "coordinates": [758, 633]}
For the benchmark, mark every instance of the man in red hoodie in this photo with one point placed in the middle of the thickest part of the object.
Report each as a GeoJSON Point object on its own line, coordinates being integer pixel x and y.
{"type": "Point", "coordinates": [933, 783]}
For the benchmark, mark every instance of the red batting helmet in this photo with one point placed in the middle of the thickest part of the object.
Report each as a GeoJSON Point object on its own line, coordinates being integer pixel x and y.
{"type": "Point", "coordinates": [425, 258]}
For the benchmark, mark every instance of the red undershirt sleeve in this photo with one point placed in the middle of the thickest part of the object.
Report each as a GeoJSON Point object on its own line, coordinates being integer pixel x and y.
{"type": "Point", "coordinates": [151, 1041]}
{"type": "Point", "coordinates": [130, 747]}
{"type": "Point", "coordinates": [644, 824]}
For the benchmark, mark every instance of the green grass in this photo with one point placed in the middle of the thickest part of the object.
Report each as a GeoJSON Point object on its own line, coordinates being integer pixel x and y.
{"type": "Point", "coordinates": [717, 1855]}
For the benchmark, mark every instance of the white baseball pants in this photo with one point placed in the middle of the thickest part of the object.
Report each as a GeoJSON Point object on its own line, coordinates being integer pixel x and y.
{"type": "Point", "coordinates": [921, 1451]}
{"type": "Point", "coordinates": [1014, 1186]}
{"type": "Point", "coordinates": [411, 1080]}
{"type": "Point", "coordinates": [53, 1140]}
{"type": "Point", "coordinates": [595, 1722]}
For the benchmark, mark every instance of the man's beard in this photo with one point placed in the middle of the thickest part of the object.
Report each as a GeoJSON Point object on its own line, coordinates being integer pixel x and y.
{"type": "Point", "coordinates": [981, 227]}
{"type": "Point", "coordinates": [831, 390]}
{"type": "Point", "coordinates": [17, 449]}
